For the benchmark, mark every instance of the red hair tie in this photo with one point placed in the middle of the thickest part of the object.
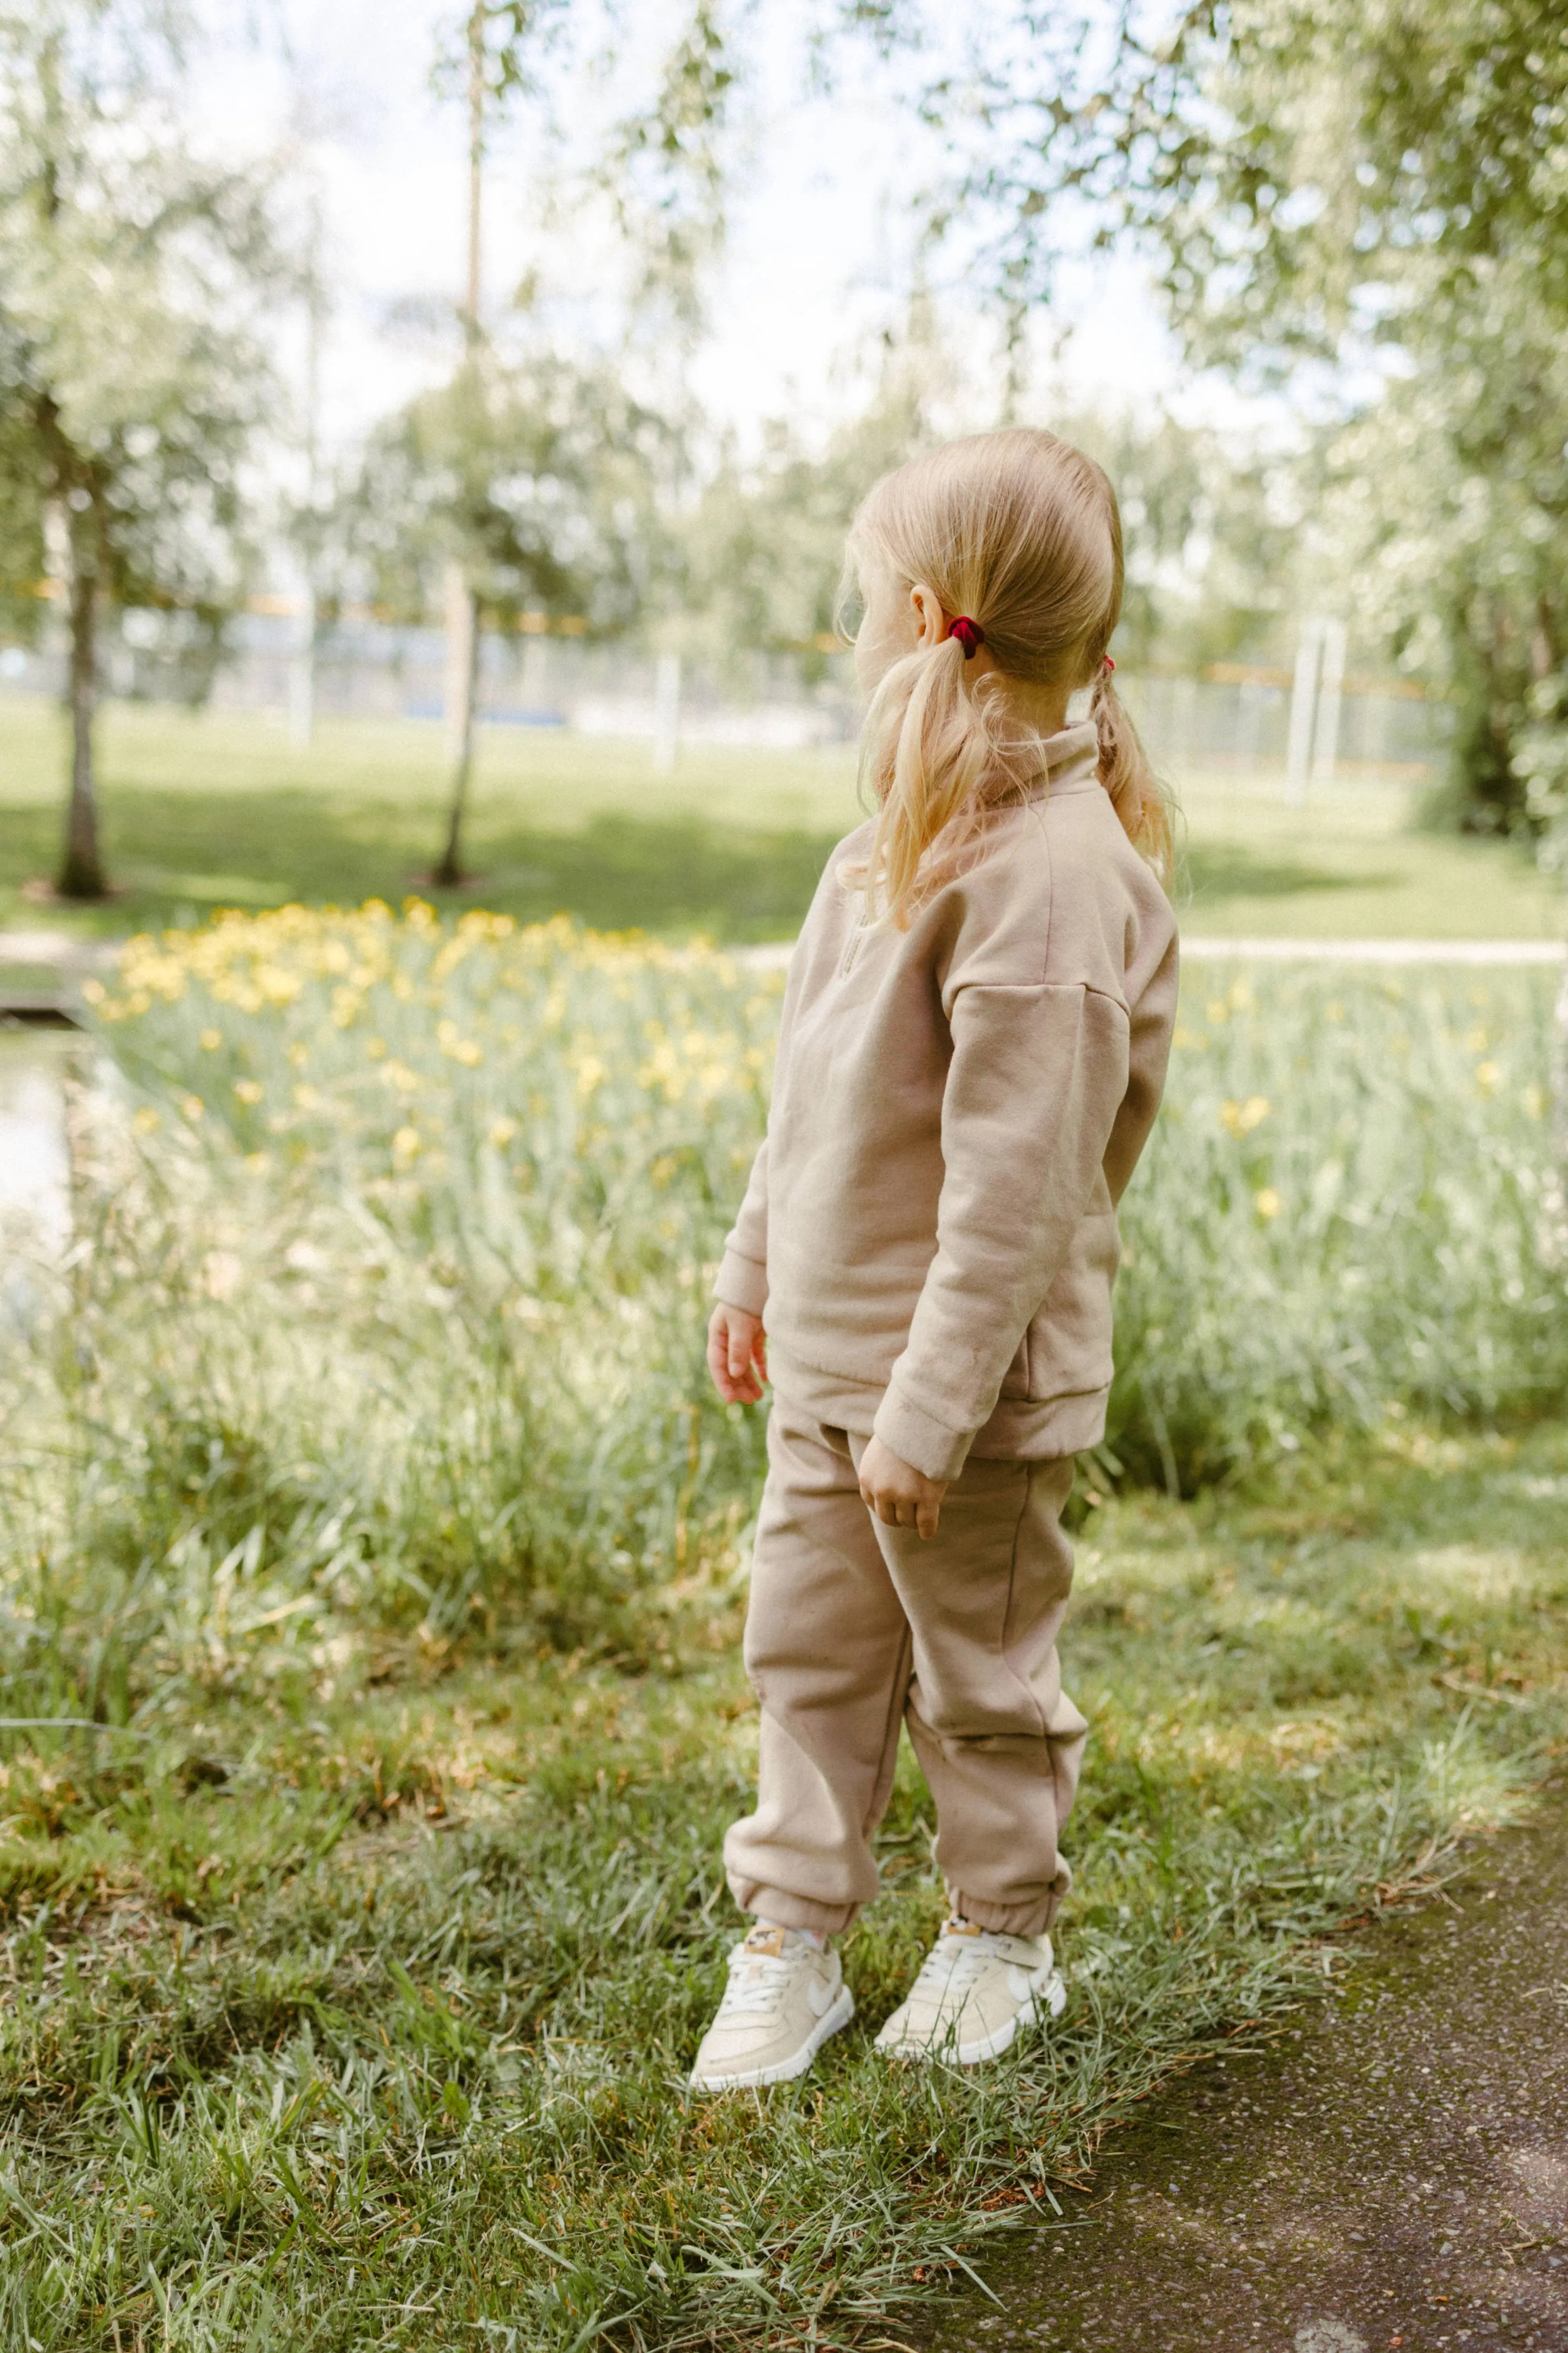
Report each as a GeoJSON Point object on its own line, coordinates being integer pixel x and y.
{"type": "Point", "coordinates": [970, 634]}
{"type": "Point", "coordinates": [1106, 665]}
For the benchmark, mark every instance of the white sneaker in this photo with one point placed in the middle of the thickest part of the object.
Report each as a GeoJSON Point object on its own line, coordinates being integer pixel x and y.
{"type": "Point", "coordinates": [975, 1988]}
{"type": "Point", "coordinates": [783, 1999]}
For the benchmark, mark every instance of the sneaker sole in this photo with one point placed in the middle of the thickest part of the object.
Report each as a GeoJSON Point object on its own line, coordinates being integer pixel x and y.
{"type": "Point", "coordinates": [835, 2018]}
{"type": "Point", "coordinates": [1048, 2002]}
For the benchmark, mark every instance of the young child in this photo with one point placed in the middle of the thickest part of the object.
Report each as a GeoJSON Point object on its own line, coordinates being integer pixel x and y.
{"type": "Point", "coordinates": [973, 1050]}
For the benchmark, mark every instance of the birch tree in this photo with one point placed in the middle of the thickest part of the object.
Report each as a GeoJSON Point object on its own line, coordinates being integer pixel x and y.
{"type": "Point", "coordinates": [659, 165]}
{"type": "Point", "coordinates": [134, 374]}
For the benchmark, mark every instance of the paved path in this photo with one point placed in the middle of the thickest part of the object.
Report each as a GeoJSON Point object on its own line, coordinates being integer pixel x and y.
{"type": "Point", "coordinates": [1392, 2173]}
{"type": "Point", "coordinates": [1194, 944]}
{"type": "Point", "coordinates": [1196, 948]}
{"type": "Point", "coordinates": [58, 949]}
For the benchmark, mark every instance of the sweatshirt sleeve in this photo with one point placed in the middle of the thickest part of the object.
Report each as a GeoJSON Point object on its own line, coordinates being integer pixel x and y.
{"type": "Point", "coordinates": [1149, 1052]}
{"type": "Point", "coordinates": [1037, 1078]}
{"type": "Point", "coordinates": [743, 1278]}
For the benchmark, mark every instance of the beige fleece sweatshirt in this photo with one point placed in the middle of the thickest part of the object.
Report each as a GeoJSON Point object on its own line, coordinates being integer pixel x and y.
{"type": "Point", "coordinates": [930, 1230]}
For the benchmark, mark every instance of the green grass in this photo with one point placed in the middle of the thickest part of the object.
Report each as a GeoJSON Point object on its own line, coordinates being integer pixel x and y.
{"type": "Point", "coordinates": [350, 2006]}
{"type": "Point", "coordinates": [1353, 863]}
{"type": "Point", "coordinates": [362, 1489]}
{"type": "Point", "coordinates": [209, 808]}
{"type": "Point", "coordinates": [1340, 1212]}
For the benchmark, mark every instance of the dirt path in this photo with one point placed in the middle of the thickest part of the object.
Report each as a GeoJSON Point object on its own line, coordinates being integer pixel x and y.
{"type": "Point", "coordinates": [1390, 2173]}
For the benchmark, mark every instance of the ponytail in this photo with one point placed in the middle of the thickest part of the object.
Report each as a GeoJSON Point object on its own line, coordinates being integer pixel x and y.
{"type": "Point", "coordinates": [938, 754]}
{"type": "Point", "coordinates": [1135, 792]}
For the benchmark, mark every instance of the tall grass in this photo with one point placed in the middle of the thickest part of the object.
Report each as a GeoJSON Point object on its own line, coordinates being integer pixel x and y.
{"type": "Point", "coordinates": [392, 1273]}
{"type": "Point", "coordinates": [362, 1488]}
{"type": "Point", "coordinates": [406, 1259]}
{"type": "Point", "coordinates": [1340, 1217]}
{"type": "Point", "coordinates": [399, 1268]}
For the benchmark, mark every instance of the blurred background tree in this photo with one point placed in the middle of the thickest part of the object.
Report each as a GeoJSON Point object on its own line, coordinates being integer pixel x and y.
{"type": "Point", "coordinates": [1355, 214]}
{"type": "Point", "coordinates": [1364, 203]}
{"type": "Point", "coordinates": [134, 376]}
{"type": "Point", "coordinates": [468, 451]}
{"type": "Point", "coordinates": [534, 485]}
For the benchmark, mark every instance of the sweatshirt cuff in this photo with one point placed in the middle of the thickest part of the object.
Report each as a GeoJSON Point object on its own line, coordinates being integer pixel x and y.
{"type": "Point", "coordinates": [917, 1437]}
{"type": "Point", "coordinates": [742, 1282]}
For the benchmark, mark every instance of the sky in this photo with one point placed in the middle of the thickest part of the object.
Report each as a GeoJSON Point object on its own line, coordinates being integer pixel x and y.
{"type": "Point", "coordinates": [820, 256]}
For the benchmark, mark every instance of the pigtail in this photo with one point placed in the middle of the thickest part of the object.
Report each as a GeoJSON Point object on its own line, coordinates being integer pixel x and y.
{"type": "Point", "coordinates": [939, 751]}
{"type": "Point", "coordinates": [1136, 794]}
{"type": "Point", "coordinates": [924, 754]}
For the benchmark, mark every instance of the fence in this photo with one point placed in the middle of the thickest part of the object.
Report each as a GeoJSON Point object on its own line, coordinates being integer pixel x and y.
{"type": "Point", "coordinates": [1234, 722]}
{"type": "Point", "coordinates": [1243, 722]}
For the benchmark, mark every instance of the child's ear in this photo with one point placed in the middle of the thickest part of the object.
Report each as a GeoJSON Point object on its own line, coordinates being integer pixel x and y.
{"type": "Point", "coordinates": [931, 621]}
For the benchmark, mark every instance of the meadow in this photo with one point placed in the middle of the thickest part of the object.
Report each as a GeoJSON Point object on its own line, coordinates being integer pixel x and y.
{"type": "Point", "coordinates": [215, 808]}
{"type": "Point", "coordinates": [375, 1554]}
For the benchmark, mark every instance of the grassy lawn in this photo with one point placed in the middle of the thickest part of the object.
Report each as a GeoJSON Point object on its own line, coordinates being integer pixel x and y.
{"type": "Point", "coordinates": [350, 2008]}
{"type": "Point", "coordinates": [362, 1493]}
{"type": "Point", "coordinates": [210, 808]}
{"type": "Point", "coordinates": [216, 809]}
{"type": "Point", "coordinates": [1350, 865]}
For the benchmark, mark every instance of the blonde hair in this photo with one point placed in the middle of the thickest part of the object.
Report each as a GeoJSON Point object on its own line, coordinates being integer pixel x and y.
{"type": "Point", "coordinates": [1019, 531]}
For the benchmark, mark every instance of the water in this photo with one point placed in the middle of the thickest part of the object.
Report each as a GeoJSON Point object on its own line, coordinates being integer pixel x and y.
{"type": "Point", "coordinates": [35, 1153]}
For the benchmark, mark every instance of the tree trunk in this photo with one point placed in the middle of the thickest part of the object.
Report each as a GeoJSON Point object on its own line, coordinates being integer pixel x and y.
{"type": "Point", "coordinates": [1553, 1227]}
{"type": "Point", "coordinates": [1492, 673]}
{"type": "Point", "coordinates": [81, 869]}
{"type": "Point", "coordinates": [1545, 648]}
{"type": "Point", "coordinates": [462, 693]}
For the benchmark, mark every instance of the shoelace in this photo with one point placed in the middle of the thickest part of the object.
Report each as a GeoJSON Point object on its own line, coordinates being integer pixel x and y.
{"type": "Point", "coordinates": [953, 1963]}
{"type": "Point", "coordinates": [758, 1982]}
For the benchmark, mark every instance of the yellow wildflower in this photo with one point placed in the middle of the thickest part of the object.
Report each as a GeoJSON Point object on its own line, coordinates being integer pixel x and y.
{"type": "Point", "coordinates": [249, 1090]}
{"type": "Point", "coordinates": [210, 1041]}
{"type": "Point", "coordinates": [456, 1047]}
{"type": "Point", "coordinates": [1268, 1202]}
{"type": "Point", "coordinates": [1240, 1119]}
{"type": "Point", "coordinates": [1486, 1076]}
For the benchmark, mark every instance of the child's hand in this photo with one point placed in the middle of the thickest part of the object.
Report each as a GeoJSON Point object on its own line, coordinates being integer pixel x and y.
{"type": "Point", "coordinates": [901, 1496]}
{"type": "Point", "coordinates": [737, 1355]}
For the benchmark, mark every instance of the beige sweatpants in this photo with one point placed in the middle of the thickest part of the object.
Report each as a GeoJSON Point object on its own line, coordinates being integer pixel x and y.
{"type": "Point", "coordinates": [855, 1628]}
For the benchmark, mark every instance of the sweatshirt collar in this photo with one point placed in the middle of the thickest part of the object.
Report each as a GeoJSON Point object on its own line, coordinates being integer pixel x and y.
{"type": "Point", "coordinates": [1072, 761]}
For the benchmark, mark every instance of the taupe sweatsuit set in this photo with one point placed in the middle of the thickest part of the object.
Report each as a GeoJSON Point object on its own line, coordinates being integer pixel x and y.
{"type": "Point", "coordinates": [930, 1232]}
